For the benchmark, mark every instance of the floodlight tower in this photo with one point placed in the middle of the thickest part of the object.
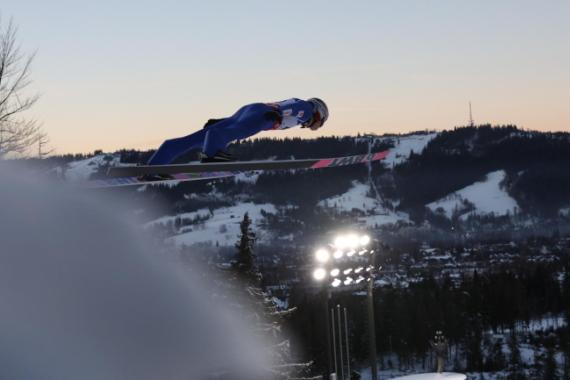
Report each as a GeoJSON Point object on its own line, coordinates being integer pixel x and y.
{"type": "Point", "coordinates": [346, 251]}
{"type": "Point", "coordinates": [471, 122]}
{"type": "Point", "coordinates": [320, 274]}
{"type": "Point", "coordinates": [371, 323]}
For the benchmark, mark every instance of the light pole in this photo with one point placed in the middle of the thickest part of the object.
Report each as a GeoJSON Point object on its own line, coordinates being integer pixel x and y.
{"type": "Point", "coordinates": [323, 257]}
{"type": "Point", "coordinates": [336, 270]}
{"type": "Point", "coordinates": [371, 323]}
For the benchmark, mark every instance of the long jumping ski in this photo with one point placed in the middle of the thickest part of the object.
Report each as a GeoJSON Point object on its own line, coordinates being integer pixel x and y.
{"type": "Point", "coordinates": [314, 163]}
{"type": "Point", "coordinates": [175, 178]}
{"type": "Point", "coordinates": [134, 175]}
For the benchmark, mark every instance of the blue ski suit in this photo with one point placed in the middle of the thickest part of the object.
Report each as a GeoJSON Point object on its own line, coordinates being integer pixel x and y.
{"type": "Point", "coordinates": [247, 121]}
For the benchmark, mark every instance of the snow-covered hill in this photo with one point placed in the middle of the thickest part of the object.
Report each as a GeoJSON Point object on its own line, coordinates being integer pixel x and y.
{"type": "Point", "coordinates": [404, 145]}
{"type": "Point", "coordinates": [219, 226]}
{"type": "Point", "coordinates": [357, 199]}
{"type": "Point", "coordinates": [483, 197]}
{"type": "Point", "coordinates": [433, 376]}
{"type": "Point", "coordinates": [82, 170]}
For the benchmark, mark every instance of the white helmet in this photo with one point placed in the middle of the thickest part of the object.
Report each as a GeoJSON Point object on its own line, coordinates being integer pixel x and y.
{"type": "Point", "coordinates": [320, 115]}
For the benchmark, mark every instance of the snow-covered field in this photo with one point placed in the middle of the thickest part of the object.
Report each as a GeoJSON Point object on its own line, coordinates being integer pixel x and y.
{"type": "Point", "coordinates": [219, 227]}
{"type": "Point", "coordinates": [247, 177]}
{"type": "Point", "coordinates": [486, 196]}
{"type": "Point", "coordinates": [404, 145]}
{"type": "Point", "coordinates": [356, 198]}
{"type": "Point", "coordinates": [388, 217]}
{"type": "Point", "coordinates": [365, 374]}
{"type": "Point", "coordinates": [82, 170]}
{"type": "Point", "coordinates": [433, 376]}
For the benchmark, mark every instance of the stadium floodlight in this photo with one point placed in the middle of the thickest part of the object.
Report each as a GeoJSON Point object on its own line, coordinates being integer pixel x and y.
{"type": "Point", "coordinates": [348, 281]}
{"type": "Point", "coordinates": [347, 271]}
{"type": "Point", "coordinates": [350, 253]}
{"type": "Point", "coordinates": [371, 252]}
{"type": "Point", "coordinates": [322, 255]}
{"type": "Point", "coordinates": [359, 269]}
{"type": "Point", "coordinates": [336, 282]}
{"type": "Point", "coordinates": [340, 242]}
{"type": "Point", "coordinates": [338, 254]}
{"type": "Point", "coordinates": [335, 272]}
{"type": "Point", "coordinates": [360, 279]}
{"type": "Point", "coordinates": [364, 240]}
{"type": "Point", "coordinates": [319, 274]}
{"type": "Point", "coordinates": [361, 252]}
{"type": "Point", "coordinates": [352, 241]}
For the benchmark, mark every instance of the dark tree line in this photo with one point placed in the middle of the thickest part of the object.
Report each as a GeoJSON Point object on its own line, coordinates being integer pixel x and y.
{"type": "Point", "coordinates": [537, 164]}
{"type": "Point", "coordinates": [502, 302]}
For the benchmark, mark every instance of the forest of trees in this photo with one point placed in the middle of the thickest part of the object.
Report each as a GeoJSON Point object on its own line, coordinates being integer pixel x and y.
{"type": "Point", "coordinates": [471, 315]}
{"type": "Point", "coordinates": [537, 165]}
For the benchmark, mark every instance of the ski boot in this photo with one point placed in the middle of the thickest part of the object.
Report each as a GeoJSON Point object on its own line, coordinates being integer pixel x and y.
{"type": "Point", "coordinates": [220, 156]}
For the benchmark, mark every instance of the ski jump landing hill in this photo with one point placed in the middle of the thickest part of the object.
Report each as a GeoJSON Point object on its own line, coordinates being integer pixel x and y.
{"type": "Point", "coordinates": [433, 376]}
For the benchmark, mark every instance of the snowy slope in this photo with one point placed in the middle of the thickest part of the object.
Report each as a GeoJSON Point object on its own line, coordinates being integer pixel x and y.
{"type": "Point", "coordinates": [247, 177]}
{"type": "Point", "coordinates": [356, 198]}
{"type": "Point", "coordinates": [398, 375]}
{"type": "Point", "coordinates": [83, 169]}
{"type": "Point", "coordinates": [433, 376]}
{"type": "Point", "coordinates": [383, 218]}
{"type": "Point", "coordinates": [404, 145]}
{"type": "Point", "coordinates": [487, 196]}
{"type": "Point", "coordinates": [221, 227]}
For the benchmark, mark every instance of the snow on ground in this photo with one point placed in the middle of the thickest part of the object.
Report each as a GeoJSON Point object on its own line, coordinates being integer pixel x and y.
{"type": "Point", "coordinates": [365, 374]}
{"type": "Point", "coordinates": [283, 305]}
{"type": "Point", "coordinates": [82, 170]}
{"type": "Point", "coordinates": [403, 145]}
{"type": "Point", "coordinates": [221, 226]}
{"type": "Point", "coordinates": [247, 177]}
{"type": "Point", "coordinates": [433, 376]}
{"type": "Point", "coordinates": [546, 323]}
{"type": "Point", "coordinates": [357, 198]}
{"type": "Point", "coordinates": [487, 196]}
{"type": "Point", "coordinates": [388, 217]}
{"type": "Point", "coordinates": [202, 213]}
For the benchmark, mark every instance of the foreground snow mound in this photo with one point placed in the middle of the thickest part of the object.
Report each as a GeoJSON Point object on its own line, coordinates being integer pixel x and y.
{"type": "Point", "coordinates": [483, 197]}
{"type": "Point", "coordinates": [85, 296]}
{"type": "Point", "coordinates": [433, 376]}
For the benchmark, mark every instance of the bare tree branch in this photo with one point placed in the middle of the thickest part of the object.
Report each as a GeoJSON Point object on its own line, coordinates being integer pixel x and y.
{"type": "Point", "coordinates": [17, 134]}
{"type": "Point", "coordinates": [43, 141]}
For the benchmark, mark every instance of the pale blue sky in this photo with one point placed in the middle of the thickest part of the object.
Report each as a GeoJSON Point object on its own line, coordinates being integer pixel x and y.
{"type": "Point", "coordinates": [131, 74]}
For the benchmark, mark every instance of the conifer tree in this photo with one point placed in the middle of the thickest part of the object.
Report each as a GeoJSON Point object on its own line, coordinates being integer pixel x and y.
{"type": "Point", "coordinates": [244, 263]}
{"type": "Point", "coordinates": [264, 314]}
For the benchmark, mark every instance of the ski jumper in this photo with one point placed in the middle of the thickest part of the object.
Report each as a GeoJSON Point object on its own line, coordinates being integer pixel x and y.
{"type": "Point", "coordinates": [247, 121]}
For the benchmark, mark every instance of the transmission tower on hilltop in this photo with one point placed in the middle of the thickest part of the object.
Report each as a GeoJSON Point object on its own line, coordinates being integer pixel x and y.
{"type": "Point", "coordinates": [471, 122]}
